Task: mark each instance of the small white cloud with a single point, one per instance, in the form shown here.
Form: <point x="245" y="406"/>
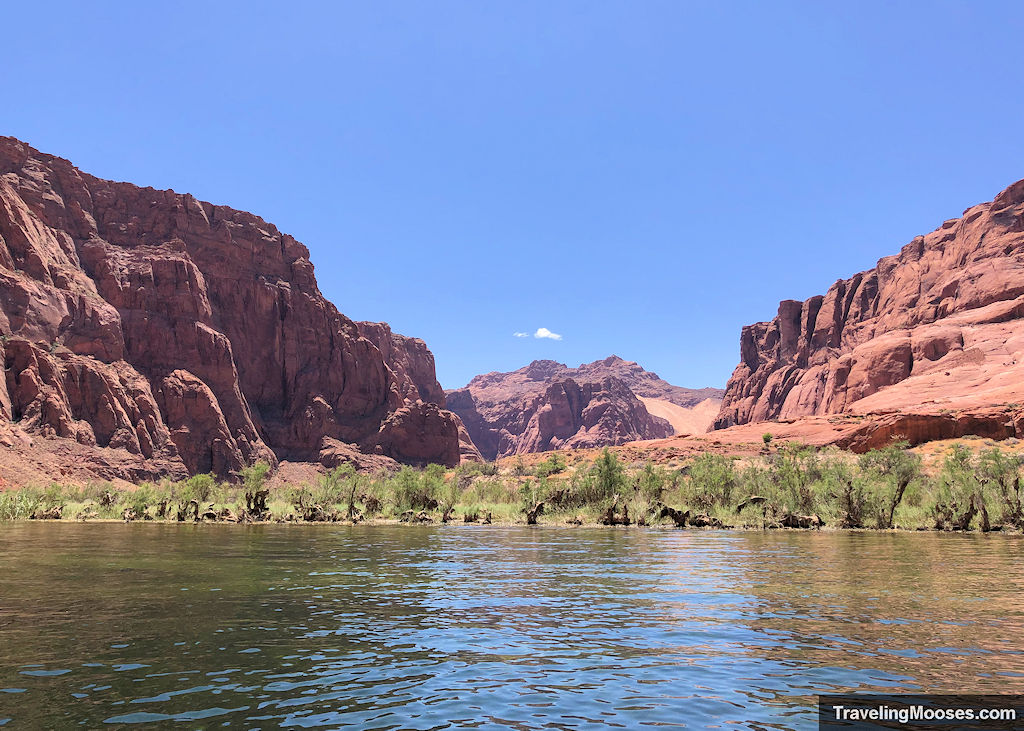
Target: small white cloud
<point x="522" y="335"/>
<point x="543" y="332"/>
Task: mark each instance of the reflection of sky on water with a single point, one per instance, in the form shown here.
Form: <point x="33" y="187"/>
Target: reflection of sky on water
<point x="442" y="627"/>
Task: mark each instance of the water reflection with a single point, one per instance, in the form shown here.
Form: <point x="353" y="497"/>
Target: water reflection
<point x="465" y="627"/>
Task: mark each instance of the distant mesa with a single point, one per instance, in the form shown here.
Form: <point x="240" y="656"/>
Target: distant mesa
<point x="547" y="405"/>
<point x="930" y="342"/>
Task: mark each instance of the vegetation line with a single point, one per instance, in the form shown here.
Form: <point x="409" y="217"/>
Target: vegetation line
<point x="791" y="486"/>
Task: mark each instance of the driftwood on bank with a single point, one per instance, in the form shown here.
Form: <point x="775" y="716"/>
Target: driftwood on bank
<point x="795" y="520"/>
<point x="371" y="503"/>
<point x="53" y="513"/>
<point x="256" y="503"/>
<point x="612" y="516"/>
<point x="703" y="520"/>
<point x="411" y="516"/>
<point x="678" y="517"/>
<point x="752" y="500"/>
<point x="185" y="509"/>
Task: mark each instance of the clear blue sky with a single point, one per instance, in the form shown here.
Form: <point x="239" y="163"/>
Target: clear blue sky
<point x="642" y="178"/>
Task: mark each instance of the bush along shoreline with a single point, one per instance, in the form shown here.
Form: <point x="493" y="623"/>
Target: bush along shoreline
<point x="787" y="487"/>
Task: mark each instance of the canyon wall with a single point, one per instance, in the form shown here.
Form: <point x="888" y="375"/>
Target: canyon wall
<point x="936" y="328"/>
<point x="189" y="336"/>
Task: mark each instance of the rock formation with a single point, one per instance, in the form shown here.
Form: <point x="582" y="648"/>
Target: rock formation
<point x="645" y="383"/>
<point x="936" y="329"/>
<point x="413" y="365"/>
<point x="182" y="333"/>
<point x="547" y="405"/>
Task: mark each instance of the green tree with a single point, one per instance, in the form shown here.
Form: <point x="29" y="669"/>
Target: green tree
<point x="609" y="475"/>
<point x="999" y="475"/>
<point x="893" y="468"/>
<point x="712" y="479"/>
<point x="960" y="495"/>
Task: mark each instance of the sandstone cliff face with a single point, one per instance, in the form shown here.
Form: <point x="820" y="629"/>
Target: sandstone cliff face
<point x="173" y="329"/>
<point x="410" y="361"/>
<point x="412" y="364"/>
<point x="938" y="327"/>
<point x="547" y="405"/>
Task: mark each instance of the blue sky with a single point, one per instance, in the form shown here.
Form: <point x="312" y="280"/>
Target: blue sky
<point x="641" y="178"/>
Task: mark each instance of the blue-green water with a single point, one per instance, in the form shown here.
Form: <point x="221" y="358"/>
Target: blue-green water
<point x="485" y="627"/>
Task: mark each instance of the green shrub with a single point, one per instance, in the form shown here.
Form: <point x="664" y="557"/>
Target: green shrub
<point x="337" y="485"/>
<point x="141" y="497"/>
<point x="711" y="481"/>
<point x="414" y="490"/>
<point x="999" y="475"/>
<point x="796" y="469"/>
<point x="851" y="495"/>
<point x="55" y="494"/>
<point x="652" y="481"/>
<point x="960" y="494"/>
<point x="889" y="472"/>
<point x="486" y="468"/>
<point x="608" y="478"/>
<point x="255" y="476"/>
<point x="198" y="488"/>
<point x="531" y="491"/>
<point x="19" y="504"/>
<point x="554" y="464"/>
<point x="519" y="468"/>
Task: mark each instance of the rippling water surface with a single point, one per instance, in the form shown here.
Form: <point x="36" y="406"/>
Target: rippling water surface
<point x="480" y="627"/>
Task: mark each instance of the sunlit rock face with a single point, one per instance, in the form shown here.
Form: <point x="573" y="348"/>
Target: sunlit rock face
<point x="189" y="337"/>
<point x="935" y="328"/>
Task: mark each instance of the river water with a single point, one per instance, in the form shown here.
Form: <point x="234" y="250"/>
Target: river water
<point x="388" y="627"/>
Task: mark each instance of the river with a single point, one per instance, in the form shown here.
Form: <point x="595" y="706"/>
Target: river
<point x="386" y="627"/>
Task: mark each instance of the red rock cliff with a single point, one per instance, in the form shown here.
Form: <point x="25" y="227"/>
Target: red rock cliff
<point x="178" y="330"/>
<point x="937" y="327"/>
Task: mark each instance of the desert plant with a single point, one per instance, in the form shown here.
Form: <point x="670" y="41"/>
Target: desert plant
<point x="19" y="504"/>
<point x="198" y="487"/>
<point x="850" y="493"/>
<point x="255" y="476"/>
<point x="141" y="497"/>
<point x="795" y="471"/>
<point x="519" y="468"/>
<point x="893" y="469"/>
<point x="336" y="485"/>
<point x="999" y="474"/>
<point x="652" y="481"/>
<point x="609" y="476"/>
<point x="554" y="464"/>
<point x="959" y="497"/>
<point x="711" y="481"/>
